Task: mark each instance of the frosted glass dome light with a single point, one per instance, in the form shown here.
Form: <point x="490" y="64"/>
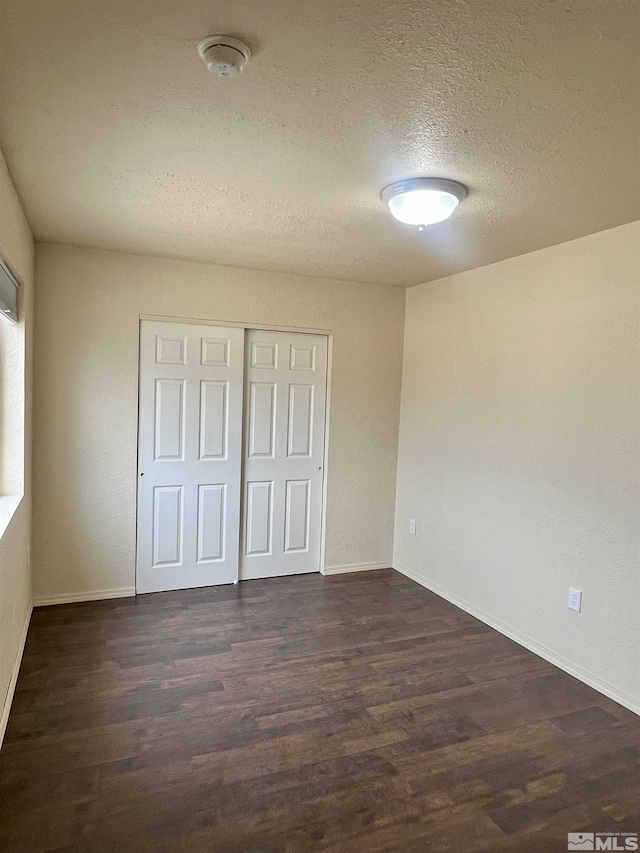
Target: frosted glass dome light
<point x="423" y="201"/>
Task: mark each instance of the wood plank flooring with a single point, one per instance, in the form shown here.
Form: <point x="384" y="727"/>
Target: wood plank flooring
<point x="303" y="714"/>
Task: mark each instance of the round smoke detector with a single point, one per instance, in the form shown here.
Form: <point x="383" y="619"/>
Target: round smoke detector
<point x="224" y="55"/>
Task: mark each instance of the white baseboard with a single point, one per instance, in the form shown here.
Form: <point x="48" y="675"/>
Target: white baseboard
<point x="356" y="567"/>
<point x="578" y="672"/>
<point x="4" y="719"/>
<point x="94" y="595"/>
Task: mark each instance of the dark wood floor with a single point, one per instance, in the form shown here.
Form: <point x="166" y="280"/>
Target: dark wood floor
<point x="354" y="713"/>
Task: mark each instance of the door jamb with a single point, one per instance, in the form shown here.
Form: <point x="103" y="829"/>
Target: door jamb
<point x="268" y="327"/>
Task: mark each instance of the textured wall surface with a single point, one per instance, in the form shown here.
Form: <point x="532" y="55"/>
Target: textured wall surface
<point x="87" y="309"/>
<point x="519" y="449"/>
<point x="16" y="246"/>
<point x="127" y="143"/>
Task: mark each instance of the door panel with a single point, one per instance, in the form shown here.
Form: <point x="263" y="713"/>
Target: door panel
<point x="169" y="420"/>
<point x="285" y="381"/>
<point x="302" y="357"/>
<point x="296" y="516"/>
<point x="264" y="355"/>
<point x="262" y="419"/>
<point x="214" y="421"/>
<point x="300" y="426"/>
<point x="189" y="455"/>
<point x="171" y="350"/>
<point x="259" y="523"/>
<point x="168" y="525"/>
<point x="215" y="352"/>
<point x="211" y="526"/>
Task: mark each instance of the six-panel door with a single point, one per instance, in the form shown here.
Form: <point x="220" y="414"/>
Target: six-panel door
<point x="193" y="434"/>
<point x="285" y="401"/>
<point x="189" y="455"/>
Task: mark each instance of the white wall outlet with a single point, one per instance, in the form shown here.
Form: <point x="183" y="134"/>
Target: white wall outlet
<point x="412" y="526"/>
<point x="575" y="599"/>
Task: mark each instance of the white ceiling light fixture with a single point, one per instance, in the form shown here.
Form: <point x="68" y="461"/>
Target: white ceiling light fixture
<point x="224" y="55"/>
<point x="423" y="201"/>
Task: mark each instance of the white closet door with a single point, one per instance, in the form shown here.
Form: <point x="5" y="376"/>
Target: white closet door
<point x="285" y="402"/>
<point x="189" y="455"/>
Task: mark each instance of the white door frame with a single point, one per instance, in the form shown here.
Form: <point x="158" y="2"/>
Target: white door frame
<point x="328" y="333"/>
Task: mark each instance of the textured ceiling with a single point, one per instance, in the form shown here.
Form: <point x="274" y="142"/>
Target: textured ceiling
<point x="117" y="137"/>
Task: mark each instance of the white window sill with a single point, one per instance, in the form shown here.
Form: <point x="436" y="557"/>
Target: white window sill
<point x="8" y="506"/>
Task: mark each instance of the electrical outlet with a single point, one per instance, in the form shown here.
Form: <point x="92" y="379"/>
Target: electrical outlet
<point x="412" y="526"/>
<point x="575" y="599"/>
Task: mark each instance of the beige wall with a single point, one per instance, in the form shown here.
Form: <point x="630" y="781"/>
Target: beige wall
<point x="519" y="450"/>
<point x="16" y="246"/>
<point x="87" y="308"/>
